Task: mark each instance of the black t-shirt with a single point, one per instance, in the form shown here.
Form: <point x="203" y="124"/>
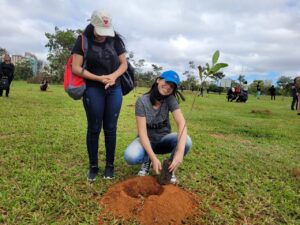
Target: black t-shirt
<point x="258" y="88"/>
<point x="7" y="70"/>
<point x="102" y="58"/>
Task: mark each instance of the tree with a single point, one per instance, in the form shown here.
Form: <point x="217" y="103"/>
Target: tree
<point x="157" y="70"/>
<point x="241" y="79"/>
<point x="210" y="71"/>
<point x="3" y="51"/>
<point x="284" y="84"/>
<point x="60" y="45"/>
<point x="140" y="79"/>
<point x="253" y="85"/>
<point x="23" y="70"/>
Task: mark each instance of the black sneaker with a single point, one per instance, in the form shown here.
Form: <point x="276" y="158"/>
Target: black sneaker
<point x="92" y="173"/>
<point x="109" y="171"/>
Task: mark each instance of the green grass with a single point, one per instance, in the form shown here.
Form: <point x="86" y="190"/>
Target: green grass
<point x="241" y="163"/>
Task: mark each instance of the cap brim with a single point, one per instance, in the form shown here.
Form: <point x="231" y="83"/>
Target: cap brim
<point x="171" y="80"/>
<point x="105" y="31"/>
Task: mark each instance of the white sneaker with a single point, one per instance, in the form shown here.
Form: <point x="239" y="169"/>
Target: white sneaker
<point x="173" y="179"/>
<point x="145" y="168"/>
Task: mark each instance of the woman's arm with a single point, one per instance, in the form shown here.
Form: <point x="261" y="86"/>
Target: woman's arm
<point x="123" y="66"/>
<point x="181" y="136"/>
<point x="142" y="131"/>
<point x="80" y="71"/>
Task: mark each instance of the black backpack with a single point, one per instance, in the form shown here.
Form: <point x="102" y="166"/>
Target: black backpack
<point x="127" y="79"/>
<point x="4" y="82"/>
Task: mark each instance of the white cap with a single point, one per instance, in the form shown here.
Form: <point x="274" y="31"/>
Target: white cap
<point x="102" y="23"/>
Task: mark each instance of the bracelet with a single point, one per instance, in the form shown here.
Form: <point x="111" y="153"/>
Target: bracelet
<point x="81" y="72"/>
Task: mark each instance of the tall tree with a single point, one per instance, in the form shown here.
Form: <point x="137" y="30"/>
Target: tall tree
<point x="284" y="84"/>
<point x="3" y="51"/>
<point x="138" y="65"/>
<point x="157" y="69"/>
<point x="241" y="79"/>
<point x="60" y="45"/>
<point x="23" y="70"/>
<point x="284" y="81"/>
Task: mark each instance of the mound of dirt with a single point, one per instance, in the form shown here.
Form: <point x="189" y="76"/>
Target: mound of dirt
<point x="143" y="200"/>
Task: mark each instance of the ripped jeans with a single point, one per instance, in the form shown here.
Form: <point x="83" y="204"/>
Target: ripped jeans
<point x="102" y="108"/>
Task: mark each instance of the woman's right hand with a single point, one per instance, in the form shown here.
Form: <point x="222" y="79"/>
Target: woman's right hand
<point x="156" y="164"/>
<point x="102" y="79"/>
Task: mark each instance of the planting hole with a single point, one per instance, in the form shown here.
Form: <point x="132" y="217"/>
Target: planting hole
<point x="136" y="189"/>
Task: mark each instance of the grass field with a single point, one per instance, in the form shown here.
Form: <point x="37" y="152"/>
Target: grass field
<point x="244" y="163"/>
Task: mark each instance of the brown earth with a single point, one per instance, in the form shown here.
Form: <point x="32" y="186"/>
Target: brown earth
<point x="145" y="201"/>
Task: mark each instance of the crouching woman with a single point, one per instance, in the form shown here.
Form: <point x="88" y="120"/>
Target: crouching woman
<point x="154" y="130"/>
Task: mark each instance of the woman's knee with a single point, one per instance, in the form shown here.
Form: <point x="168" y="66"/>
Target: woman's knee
<point x="188" y="145"/>
<point x="134" y="153"/>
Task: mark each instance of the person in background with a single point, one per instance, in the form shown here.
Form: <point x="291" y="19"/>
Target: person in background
<point x="258" y="90"/>
<point x="237" y="90"/>
<point x="294" y="98"/>
<point x="272" y="92"/>
<point x="297" y="86"/>
<point x="44" y="85"/>
<point x="102" y="100"/>
<point x="154" y="130"/>
<point x="7" y="70"/>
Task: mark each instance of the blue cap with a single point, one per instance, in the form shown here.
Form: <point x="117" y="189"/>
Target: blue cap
<point x="171" y="76"/>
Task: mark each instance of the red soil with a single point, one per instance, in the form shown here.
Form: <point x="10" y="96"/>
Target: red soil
<point x="143" y="200"/>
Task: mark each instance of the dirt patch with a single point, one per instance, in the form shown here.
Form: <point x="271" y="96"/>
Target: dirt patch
<point x="296" y="173"/>
<point x="131" y="105"/>
<point x="230" y="138"/>
<point x="143" y="200"/>
<point x="263" y="112"/>
<point x="217" y="136"/>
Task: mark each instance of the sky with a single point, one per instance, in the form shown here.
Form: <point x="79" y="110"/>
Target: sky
<point x="259" y="38"/>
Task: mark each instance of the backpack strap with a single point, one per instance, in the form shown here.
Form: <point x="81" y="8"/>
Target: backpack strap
<point x="84" y="47"/>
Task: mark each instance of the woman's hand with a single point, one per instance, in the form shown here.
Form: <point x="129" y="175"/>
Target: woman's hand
<point x="109" y="80"/>
<point x="102" y="79"/>
<point x="156" y="165"/>
<point x="177" y="160"/>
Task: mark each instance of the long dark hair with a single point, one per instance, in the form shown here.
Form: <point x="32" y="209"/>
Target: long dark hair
<point x="156" y="96"/>
<point x="89" y="33"/>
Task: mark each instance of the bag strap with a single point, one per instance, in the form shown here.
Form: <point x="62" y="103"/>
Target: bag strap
<point x="84" y="47"/>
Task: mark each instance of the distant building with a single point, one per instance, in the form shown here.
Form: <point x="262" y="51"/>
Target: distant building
<point x="16" y="59"/>
<point x="32" y="59"/>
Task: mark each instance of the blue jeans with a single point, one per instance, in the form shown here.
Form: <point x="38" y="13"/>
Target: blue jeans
<point x="102" y="107"/>
<point x="136" y="154"/>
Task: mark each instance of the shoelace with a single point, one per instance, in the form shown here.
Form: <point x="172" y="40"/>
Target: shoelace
<point x="146" y="166"/>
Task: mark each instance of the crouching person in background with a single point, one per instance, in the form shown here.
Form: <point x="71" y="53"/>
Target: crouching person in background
<point x="44" y="85"/>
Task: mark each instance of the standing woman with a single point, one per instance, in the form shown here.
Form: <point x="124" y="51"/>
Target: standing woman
<point x="105" y="63"/>
<point x="7" y="70"/>
<point x="154" y="130"/>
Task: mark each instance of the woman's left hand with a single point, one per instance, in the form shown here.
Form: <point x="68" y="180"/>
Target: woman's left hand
<point x="110" y="80"/>
<point x="177" y="160"/>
